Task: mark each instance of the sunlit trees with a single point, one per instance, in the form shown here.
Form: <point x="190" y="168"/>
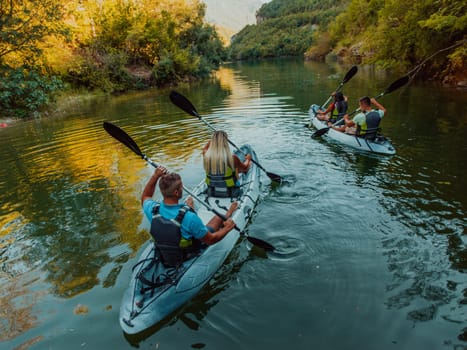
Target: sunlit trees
<point x="166" y="40"/>
<point x="403" y="34"/>
<point x="109" y="45"/>
<point x="24" y="24"/>
<point x="285" y="28"/>
<point x="25" y="84"/>
<point x="398" y="34"/>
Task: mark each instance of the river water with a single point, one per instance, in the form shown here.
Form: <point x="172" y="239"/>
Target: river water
<point x="371" y="250"/>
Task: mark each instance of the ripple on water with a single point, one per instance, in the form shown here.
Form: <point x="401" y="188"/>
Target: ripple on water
<point x="286" y="248"/>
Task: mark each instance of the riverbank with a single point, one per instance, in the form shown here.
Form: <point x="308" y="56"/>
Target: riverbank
<point x="73" y="100"/>
<point x="65" y="103"/>
<point x="452" y="76"/>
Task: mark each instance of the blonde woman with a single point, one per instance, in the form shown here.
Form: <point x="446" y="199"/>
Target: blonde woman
<point x="222" y="167"/>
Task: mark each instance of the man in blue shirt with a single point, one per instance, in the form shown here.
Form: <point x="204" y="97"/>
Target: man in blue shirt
<point x="171" y="187"/>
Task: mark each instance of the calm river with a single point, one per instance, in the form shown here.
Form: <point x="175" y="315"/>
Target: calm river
<point x="371" y="250"/>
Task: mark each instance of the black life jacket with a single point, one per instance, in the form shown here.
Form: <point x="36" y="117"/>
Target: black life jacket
<point x="371" y="125"/>
<point x="172" y="247"/>
<point x="222" y="185"/>
<point x="340" y="108"/>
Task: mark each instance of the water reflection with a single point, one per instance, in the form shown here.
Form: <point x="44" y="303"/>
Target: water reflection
<point x="17" y="298"/>
<point x="424" y="242"/>
<point x="424" y="283"/>
<point x="377" y="239"/>
<point x="426" y="268"/>
<point x="58" y="183"/>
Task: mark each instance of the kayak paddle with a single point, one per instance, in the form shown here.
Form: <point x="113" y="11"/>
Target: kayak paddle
<point x="126" y="139"/>
<point x="394" y="86"/>
<point x="349" y="75"/>
<point x="183" y="103"/>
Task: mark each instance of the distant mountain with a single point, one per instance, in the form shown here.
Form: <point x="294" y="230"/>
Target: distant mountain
<point x="231" y="16"/>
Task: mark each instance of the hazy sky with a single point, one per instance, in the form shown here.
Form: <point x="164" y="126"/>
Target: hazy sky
<point x="233" y="14"/>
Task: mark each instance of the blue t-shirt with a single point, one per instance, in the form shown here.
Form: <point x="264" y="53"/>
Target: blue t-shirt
<point x="192" y="226"/>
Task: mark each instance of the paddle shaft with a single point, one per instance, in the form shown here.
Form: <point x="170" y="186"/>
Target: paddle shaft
<point x="182" y="102"/>
<point x="394" y="86"/>
<point x="352" y="71"/>
<point x="124" y="138"/>
<point x="256" y="241"/>
<point x="231" y="143"/>
<point x="357" y="110"/>
<point x="206" y="205"/>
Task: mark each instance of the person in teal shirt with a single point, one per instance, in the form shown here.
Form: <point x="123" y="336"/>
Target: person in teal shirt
<point x="192" y="227"/>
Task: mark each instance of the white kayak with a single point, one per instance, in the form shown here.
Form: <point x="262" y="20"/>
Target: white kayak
<point x="155" y="291"/>
<point x="380" y="144"/>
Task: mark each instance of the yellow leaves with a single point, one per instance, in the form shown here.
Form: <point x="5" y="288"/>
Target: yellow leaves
<point x="458" y="58"/>
<point x="440" y="22"/>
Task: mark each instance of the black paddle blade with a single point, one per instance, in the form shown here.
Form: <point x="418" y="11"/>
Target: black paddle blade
<point x="352" y="71"/>
<point x="260" y="243"/>
<point x="123" y="137"/>
<point x="274" y="177"/>
<point x="183" y="103"/>
<point x="320" y="132"/>
<point x="397" y="84"/>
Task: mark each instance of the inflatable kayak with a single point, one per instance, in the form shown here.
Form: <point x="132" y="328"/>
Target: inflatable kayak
<point x="380" y="144"/>
<point x="155" y="291"/>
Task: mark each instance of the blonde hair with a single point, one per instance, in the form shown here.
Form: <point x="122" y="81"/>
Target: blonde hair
<point x="218" y="156"/>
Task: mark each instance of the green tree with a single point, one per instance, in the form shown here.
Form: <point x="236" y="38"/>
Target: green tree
<point x="24" y="91"/>
<point x="24" y="26"/>
<point x="401" y="34"/>
<point x="110" y="45"/>
<point x="166" y="37"/>
<point x="285" y="28"/>
<point x="281" y="8"/>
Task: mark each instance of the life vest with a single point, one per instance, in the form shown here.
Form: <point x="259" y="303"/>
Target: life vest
<point x="172" y="247"/>
<point x="222" y="185"/>
<point x="338" y="112"/>
<point x="371" y="124"/>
